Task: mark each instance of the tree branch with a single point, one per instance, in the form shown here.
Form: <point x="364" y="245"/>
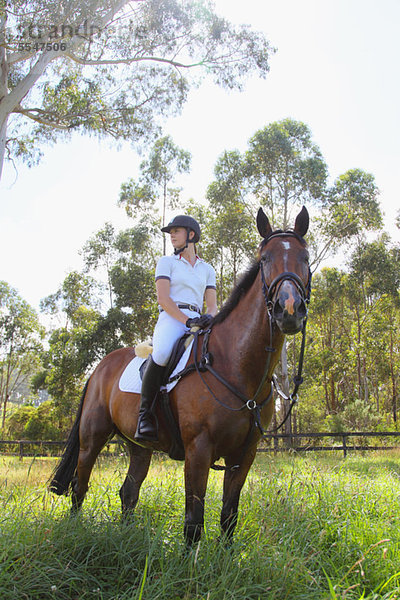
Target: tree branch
<point x="128" y="61"/>
<point x="28" y="113"/>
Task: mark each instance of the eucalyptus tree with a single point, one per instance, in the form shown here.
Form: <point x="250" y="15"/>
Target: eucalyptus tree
<point x="99" y="252"/>
<point x="132" y="278"/>
<point x="374" y="286"/>
<point x="285" y="169"/>
<point x="354" y="348"/>
<point x="111" y="68"/>
<point x="157" y="174"/>
<point x="351" y="209"/>
<point x="21" y="339"/>
<point x="230" y="229"/>
<point x="76" y="307"/>
<point x="329" y="339"/>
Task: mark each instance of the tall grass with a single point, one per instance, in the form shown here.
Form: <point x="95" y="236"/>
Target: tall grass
<point x="309" y="527"/>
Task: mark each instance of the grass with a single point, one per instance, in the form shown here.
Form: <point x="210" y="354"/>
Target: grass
<point x="314" y="527"/>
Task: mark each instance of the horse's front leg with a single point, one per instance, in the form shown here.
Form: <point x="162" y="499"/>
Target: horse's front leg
<point x="233" y="484"/>
<point x="197" y="467"/>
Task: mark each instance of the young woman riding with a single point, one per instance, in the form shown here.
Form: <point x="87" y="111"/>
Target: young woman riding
<point x="183" y="283"/>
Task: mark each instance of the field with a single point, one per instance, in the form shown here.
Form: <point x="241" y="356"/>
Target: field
<point x="315" y="527"/>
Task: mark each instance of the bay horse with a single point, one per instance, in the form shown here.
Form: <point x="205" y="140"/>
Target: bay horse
<point x="217" y="410"/>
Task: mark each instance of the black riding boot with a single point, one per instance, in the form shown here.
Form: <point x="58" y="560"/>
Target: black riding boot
<point x="147" y="424"/>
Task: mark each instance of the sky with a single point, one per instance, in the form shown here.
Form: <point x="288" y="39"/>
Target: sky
<point x="336" y="68"/>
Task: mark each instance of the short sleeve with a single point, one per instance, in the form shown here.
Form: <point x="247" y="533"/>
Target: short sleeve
<point x="163" y="268"/>
<point x="211" y="279"/>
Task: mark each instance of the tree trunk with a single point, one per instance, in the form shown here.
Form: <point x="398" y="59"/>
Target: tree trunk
<point x="3" y="133"/>
<point x="326" y="392"/>
<point x="366" y="388"/>
<point x="163" y="217"/>
<point x="3" y="425"/>
<point x="3" y="90"/>
<point x="393" y="378"/>
<point x="333" y="394"/>
<point x="359" y="379"/>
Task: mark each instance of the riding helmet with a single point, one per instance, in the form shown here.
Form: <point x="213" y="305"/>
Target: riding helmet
<point x="184" y="221"/>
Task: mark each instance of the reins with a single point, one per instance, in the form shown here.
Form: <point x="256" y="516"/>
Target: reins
<point x="205" y="364"/>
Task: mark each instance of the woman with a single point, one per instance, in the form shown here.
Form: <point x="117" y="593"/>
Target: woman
<point x="183" y="283"/>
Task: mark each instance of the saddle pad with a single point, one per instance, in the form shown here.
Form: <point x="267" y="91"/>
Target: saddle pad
<point x="130" y="379"/>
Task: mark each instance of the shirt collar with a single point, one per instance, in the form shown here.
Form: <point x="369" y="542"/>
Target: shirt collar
<point x="180" y="257"/>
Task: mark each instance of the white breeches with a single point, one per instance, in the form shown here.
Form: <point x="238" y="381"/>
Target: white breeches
<point x="166" y="332"/>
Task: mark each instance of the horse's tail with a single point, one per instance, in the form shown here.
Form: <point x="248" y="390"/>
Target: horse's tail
<point x="65" y="470"/>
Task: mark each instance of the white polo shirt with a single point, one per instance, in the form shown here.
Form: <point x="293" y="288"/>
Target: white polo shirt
<point x="187" y="284"/>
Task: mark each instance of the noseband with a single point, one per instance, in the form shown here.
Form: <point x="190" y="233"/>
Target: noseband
<point x="272" y="289"/>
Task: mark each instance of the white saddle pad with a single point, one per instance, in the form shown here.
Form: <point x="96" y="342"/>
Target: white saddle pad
<point x="130" y="379"/>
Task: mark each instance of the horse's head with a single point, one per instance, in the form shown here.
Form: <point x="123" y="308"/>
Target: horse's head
<point x="285" y="272"/>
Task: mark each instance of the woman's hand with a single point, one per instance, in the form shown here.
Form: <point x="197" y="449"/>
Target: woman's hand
<point x="202" y="322"/>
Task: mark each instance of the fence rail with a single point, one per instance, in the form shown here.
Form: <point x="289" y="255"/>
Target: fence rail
<point x="271" y="443"/>
<point x="345" y="447"/>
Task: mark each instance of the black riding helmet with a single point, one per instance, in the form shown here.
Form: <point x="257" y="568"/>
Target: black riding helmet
<point x="184" y="221"/>
<point x="189" y="224"/>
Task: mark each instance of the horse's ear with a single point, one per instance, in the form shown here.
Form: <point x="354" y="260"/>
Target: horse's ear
<point x="263" y="226"/>
<point x="302" y="222"/>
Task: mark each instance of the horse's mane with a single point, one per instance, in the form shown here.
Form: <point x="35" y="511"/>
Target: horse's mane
<point x="247" y="279"/>
<point x="243" y="285"/>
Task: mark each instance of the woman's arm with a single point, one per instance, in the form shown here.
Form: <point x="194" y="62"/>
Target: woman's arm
<point x="166" y="302"/>
<point x="210" y="297"/>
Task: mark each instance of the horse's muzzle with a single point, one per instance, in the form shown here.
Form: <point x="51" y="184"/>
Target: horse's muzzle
<point x="289" y="313"/>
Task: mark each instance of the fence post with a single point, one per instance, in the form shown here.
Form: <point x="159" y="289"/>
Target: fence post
<point x="275" y="444"/>
<point x="344" y="446"/>
<point x="21" y="450"/>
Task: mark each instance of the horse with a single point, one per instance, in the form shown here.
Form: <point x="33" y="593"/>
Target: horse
<point x="221" y="410"/>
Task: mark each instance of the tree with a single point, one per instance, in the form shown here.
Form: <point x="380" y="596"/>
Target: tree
<point x="20" y="343"/>
<point x="329" y="342"/>
<point x="374" y="291"/>
<point x="351" y="209"/>
<point x="111" y="68"/>
<point x="35" y="423"/>
<point x="165" y="161"/>
<point x="229" y="228"/>
<point x="354" y="344"/>
<point x="68" y="356"/>
<point x="76" y="290"/>
<point x="132" y="278"/>
<point x="86" y="334"/>
<point x="285" y="169"/>
<point x="100" y="252"/>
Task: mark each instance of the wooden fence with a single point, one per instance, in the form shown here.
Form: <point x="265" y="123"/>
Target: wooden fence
<point x="273" y="442"/>
<point x="342" y="444"/>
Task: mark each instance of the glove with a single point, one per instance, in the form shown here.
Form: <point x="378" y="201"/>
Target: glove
<point x="202" y="322"/>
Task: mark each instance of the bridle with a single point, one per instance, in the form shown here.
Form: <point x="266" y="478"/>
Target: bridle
<point x="270" y="292"/>
<point x="272" y="289"/>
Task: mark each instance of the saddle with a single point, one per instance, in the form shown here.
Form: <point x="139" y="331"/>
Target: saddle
<point x="144" y="350"/>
